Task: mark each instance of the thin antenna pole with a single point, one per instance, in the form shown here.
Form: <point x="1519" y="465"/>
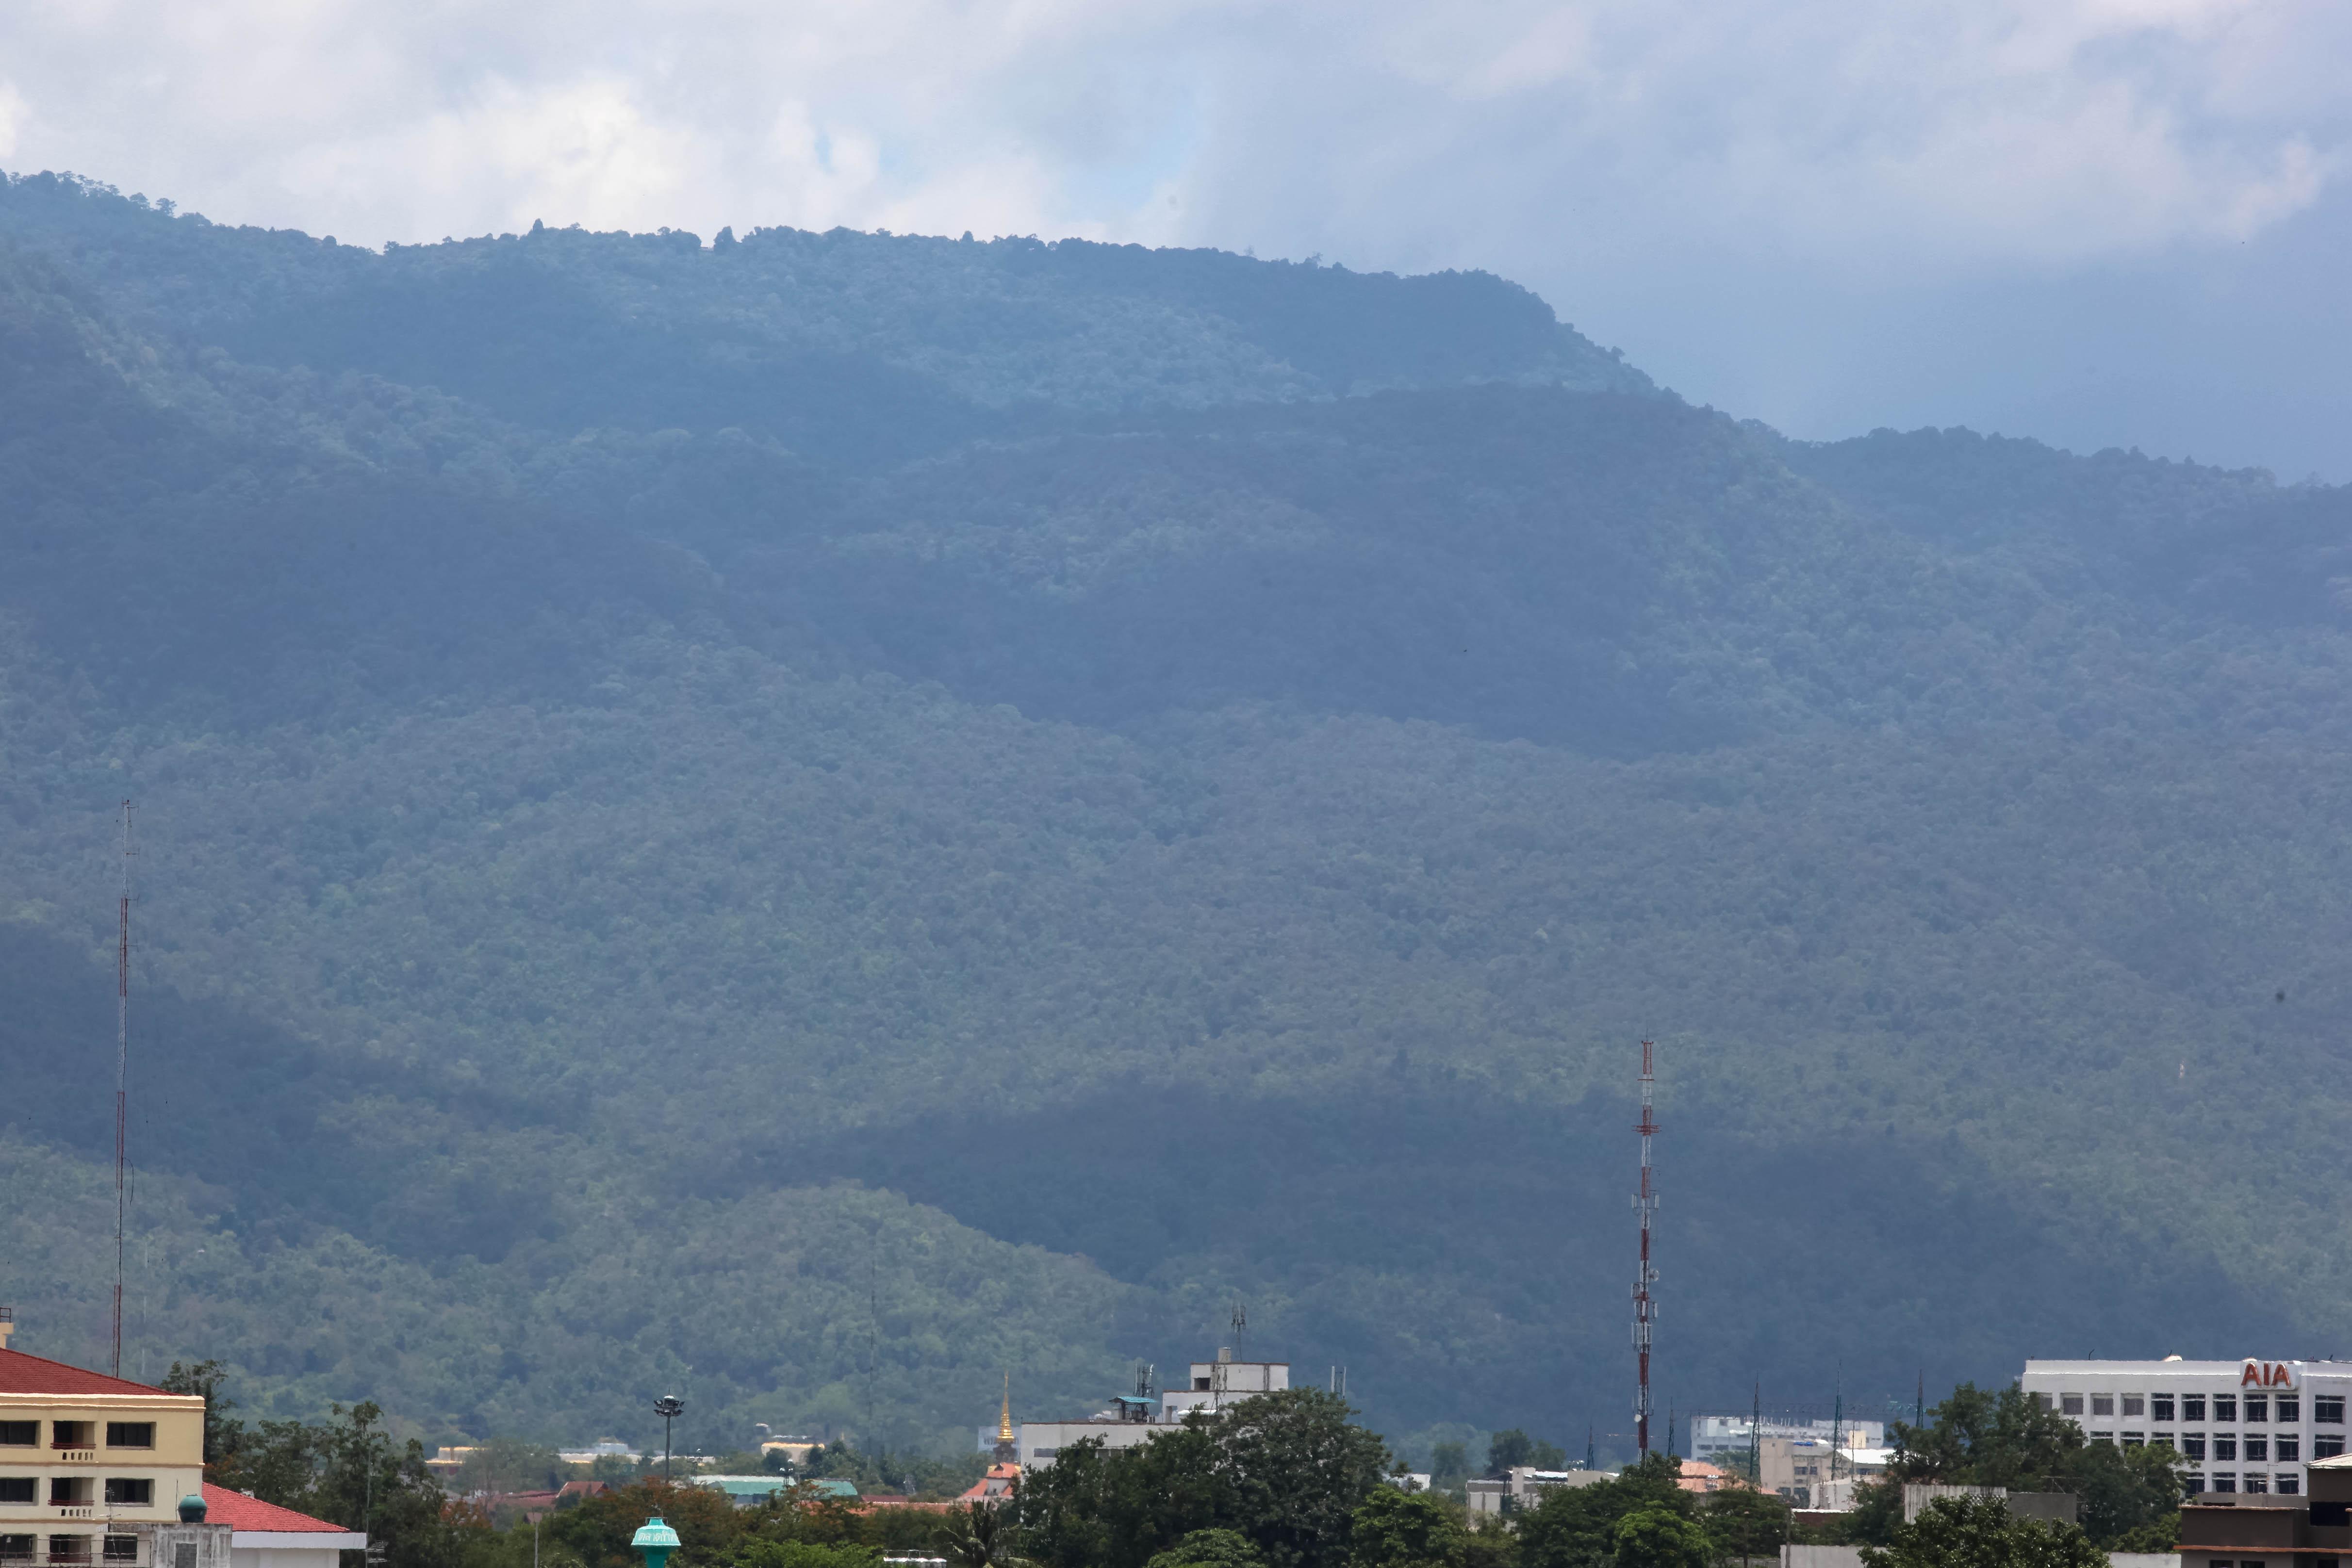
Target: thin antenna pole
<point x="1645" y="1203"/>
<point x="121" y="1078"/>
<point x="1755" y="1438"/>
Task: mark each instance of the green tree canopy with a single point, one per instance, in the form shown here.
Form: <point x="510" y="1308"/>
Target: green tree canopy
<point x="1507" y="1450"/>
<point x="1655" y="1537"/>
<point x="1576" y="1527"/>
<point x="1287" y="1472"/>
<point x="1980" y="1533"/>
<point x="1209" y="1549"/>
<point x="1401" y="1529"/>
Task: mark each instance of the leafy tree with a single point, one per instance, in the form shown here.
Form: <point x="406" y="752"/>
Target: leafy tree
<point x="1287" y="1472"/>
<point x="223" y="1437"/>
<point x="2004" y="1439"/>
<point x="1576" y="1527"/>
<point x="1209" y="1549"/>
<point x="1746" y="1523"/>
<point x="1449" y="1466"/>
<point x="1980" y="1533"/>
<point x="980" y="1536"/>
<point x="1400" y="1529"/>
<point x="1654" y="1537"/>
<point x="1507" y="1450"/>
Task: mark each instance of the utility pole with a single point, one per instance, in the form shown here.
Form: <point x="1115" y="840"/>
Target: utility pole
<point x="669" y="1407"/>
<point x="1645" y="1203"/>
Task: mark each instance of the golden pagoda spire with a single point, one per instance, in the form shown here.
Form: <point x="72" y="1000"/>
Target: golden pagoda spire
<point x="1008" y="1445"/>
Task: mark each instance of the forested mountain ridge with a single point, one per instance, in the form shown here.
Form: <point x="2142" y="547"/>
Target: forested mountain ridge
<point x="651" y="879"/>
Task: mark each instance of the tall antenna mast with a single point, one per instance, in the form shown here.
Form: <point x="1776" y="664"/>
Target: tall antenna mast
<point x="1645" y="1310"/>
<point x="122" y="1076"/>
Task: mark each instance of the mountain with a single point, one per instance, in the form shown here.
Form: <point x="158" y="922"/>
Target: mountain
<point x="807" y="819"/>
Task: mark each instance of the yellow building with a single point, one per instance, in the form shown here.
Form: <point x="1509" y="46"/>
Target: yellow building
<point x="90" y="1463"/>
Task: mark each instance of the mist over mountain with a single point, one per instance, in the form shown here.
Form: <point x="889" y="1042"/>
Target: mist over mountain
<point x="810" y="819"/>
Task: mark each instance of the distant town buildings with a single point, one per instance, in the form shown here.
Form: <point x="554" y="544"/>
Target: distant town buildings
<point x="2245" y="1426"/>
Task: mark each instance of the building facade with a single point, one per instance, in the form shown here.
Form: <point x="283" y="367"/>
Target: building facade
<point x="2245" y="1426"/>
<point x="89" y="1464"/>
<point x="2313" y="1529"/>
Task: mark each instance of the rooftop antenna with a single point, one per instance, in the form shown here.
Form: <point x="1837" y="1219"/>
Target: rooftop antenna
<point x="1756" y="1437"/>
<point x="1670" y="1429"/>
<point x="1241" y="1321"/>
<point x="1919" y="1410"/>
<point x="122" y="1076"/>
<point x="1646" y="1312"/>
<point x="1591" y="1454"/>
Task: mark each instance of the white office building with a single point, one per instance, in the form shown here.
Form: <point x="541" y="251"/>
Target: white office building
<point x="2243" y="1426"/>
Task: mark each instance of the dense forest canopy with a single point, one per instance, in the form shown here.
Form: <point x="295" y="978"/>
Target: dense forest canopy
<point x="809" y="818"/>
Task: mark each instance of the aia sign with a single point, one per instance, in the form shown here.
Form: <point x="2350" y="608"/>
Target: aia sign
<point x="2266" y="1375"/>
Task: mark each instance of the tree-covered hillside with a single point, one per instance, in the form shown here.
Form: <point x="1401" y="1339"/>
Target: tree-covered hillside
<point x="810" y="819"/>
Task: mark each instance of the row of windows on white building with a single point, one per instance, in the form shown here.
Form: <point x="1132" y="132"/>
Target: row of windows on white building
<point x="2163" y="1415"/>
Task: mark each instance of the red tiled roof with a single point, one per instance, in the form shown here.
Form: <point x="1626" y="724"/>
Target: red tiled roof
<point x="238" y="1512"/>
<point x="22" y="1374"/>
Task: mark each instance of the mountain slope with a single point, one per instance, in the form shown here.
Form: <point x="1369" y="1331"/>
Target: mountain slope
<point x="1143" y="849"/>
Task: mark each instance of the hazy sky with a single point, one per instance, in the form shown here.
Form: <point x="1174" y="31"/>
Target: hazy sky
<point x="2100" y="222"/>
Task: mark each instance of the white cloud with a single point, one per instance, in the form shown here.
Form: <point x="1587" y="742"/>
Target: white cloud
<point x="1602" y="150"/>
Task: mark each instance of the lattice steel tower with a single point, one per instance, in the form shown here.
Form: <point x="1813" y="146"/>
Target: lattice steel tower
<point x="1645" y="1310"/>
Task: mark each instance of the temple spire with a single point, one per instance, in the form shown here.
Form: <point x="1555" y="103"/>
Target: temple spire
<point x="1008" y="1449"/>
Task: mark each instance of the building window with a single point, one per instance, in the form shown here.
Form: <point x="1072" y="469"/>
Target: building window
<point x="19" y="1435"/>
<point x="17" y="1488"/>
<point x="2290" y="1407"/>
<point x="2257" y="1483"/>
<point x="2225" y="1406"/>
<point x="2225" y="1483"/>
<point x="2258" y="1408"/>
<point x="2134" y="1440"/>
<point x="2327" y="1408"/>
<point x="130" y="1493"/>
<point x="2070" y="1405"/>
<point x="69" y="1434"/>
<point x="2327" y="1446"/>
<point x="68" y="1548"/>
<point x="69" y="1491"/>
<point x="2257" y="1446"/>
<point x="2192" y="1445"/>
<point x="2103" y="1436"/>
<point x="2134" y="1405"/>
<point x="2289" y="1485"/>
<point x="2289" y="1445"/>
<point x="122" y="1549"/>
<point x="2192" y="1407"/>
<point x="2102" y="1404"/>
<point x="2159" y="1406"/>
<point x="2042" y="1401"/>
<point x="131" y="1434"/>
<point x="2192" y="1485"/>
<point x="17" y="1547"/>
<point x="2225" y="1446"/>
<point x="1044" y="1453"/>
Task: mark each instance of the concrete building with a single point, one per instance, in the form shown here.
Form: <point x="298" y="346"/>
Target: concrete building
<point x="1133" y="1418"/>
<point x="1523" y="1486"/>
<point x="89" y="1463"/>
<point x="2311" y="1530"/>
<point x="2250" y="1427"/>
<point x="1718" y="1438"/>
<point x="101" y="1472"/>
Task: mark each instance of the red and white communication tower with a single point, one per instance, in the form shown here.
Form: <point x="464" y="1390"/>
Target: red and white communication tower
<point x="1645" y="1310"/>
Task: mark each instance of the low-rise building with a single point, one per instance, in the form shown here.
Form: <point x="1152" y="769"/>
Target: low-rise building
<point x="1523" y="1486"/>
<point x="89" y="1464"/>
